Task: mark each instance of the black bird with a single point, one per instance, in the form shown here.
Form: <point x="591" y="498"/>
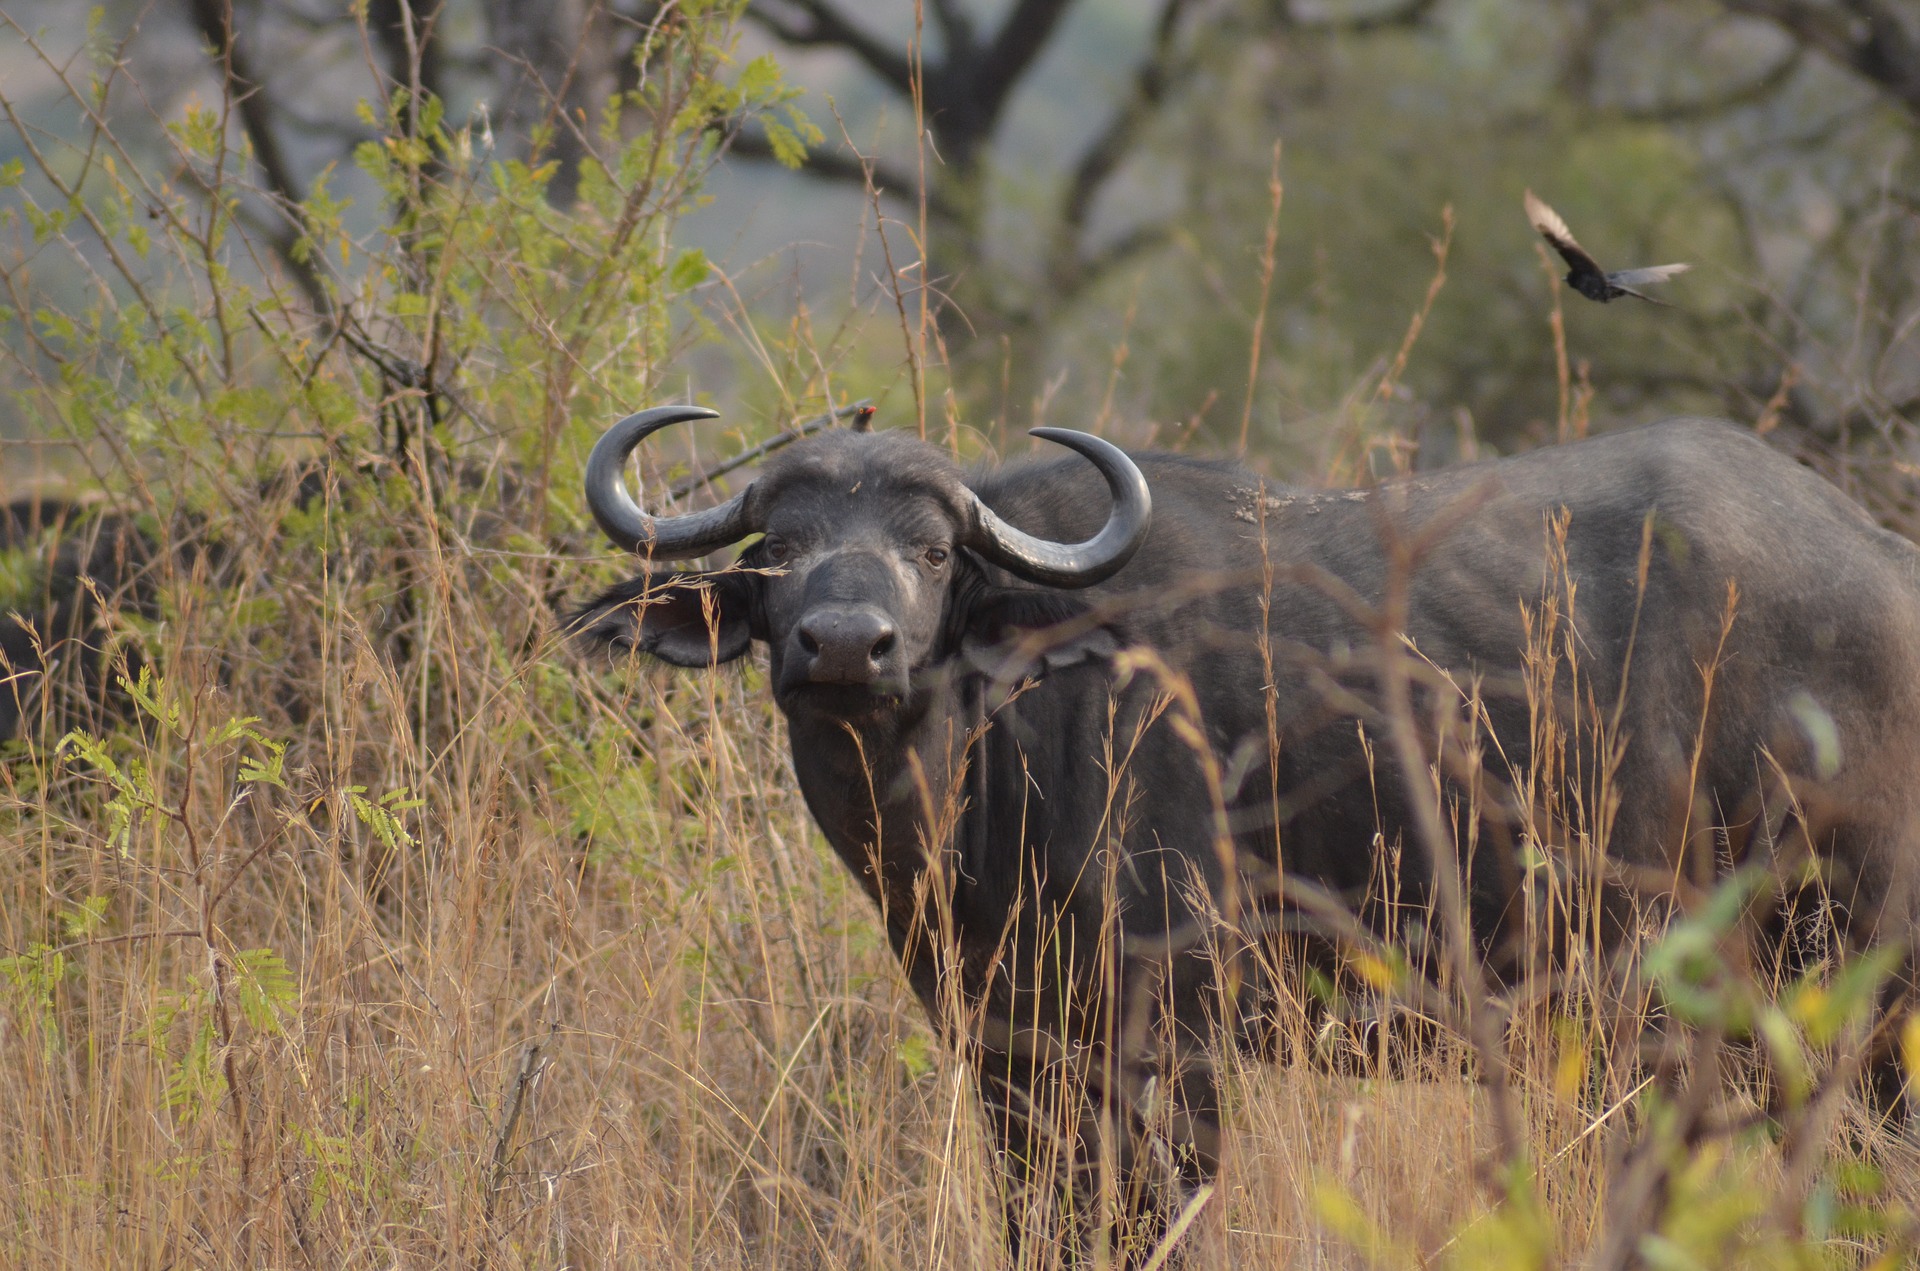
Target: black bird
<point x="1586" y="276"/>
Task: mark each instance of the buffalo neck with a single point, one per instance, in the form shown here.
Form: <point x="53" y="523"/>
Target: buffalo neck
<point x="879" y="788"/>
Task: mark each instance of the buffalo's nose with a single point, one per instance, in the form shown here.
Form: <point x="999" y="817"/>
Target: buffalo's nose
<point x="847" y="646"/>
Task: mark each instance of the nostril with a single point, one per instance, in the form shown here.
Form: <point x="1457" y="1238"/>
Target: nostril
<point x="854" y="645"/>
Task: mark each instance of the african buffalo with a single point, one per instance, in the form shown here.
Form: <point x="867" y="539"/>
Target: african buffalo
<point x="985" y="682"/>
<point x="71" y="571"/>
<point x="78" y="565"/>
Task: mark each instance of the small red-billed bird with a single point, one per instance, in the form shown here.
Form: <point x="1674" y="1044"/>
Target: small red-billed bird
<point x="1586" y="276"/>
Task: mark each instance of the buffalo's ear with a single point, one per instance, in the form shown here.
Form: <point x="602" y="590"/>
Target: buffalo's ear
<point x="1013" y="631"/>
<point x="686" y="619"/>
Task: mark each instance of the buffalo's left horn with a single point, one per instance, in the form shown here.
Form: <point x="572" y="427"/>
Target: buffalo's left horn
<point x="665" y="537"/>
<point x="1073" y="564"/>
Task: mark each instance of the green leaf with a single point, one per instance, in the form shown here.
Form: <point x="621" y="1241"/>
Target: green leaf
<point x="82" y="920"/>
<point x="788" y="149"/>
<point x="760" y="78"/>
<point x="33" y="976"/>
<point x="689" y="270"/>
<point x="265" y="987"/>
<point x="195" y="1082"/>
<point x="1789" y="1057"/>
<point x="237" y="727"/>
<point x="149" y="693"/>
<point x="385" y="825"/>
<point x="269" y="771"/>
<point x="1342" y="1214"/>
<point x="915" y="1051"/>
<point x="1663" y="1254"/>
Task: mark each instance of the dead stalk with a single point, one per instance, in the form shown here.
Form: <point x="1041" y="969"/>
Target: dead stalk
<point x="1275" y="192"/>
<point x="514" y="1102"/>
<point x="1556" y="320"/>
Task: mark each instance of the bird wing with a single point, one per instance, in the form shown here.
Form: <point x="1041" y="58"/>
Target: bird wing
<point x="1555" y="231"/>
<point x="1618" y="290"/>
<point x="1641" y="277"/>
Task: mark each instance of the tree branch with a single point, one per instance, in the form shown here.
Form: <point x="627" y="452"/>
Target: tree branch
<point x="1407" y="14"/>
<point x="1707" y="106"/>
<point x="1135" y="242"/>
<point x="823" y="24"/>
<point x="1151" y="82"/>
<point x="406" y="34"/>
<point x="1867" y="37"/>
<point x="956" y="30"/>
<point x="214" y="18"/>
<point x="1019" y="41"/>
<point x="836" y="165"/>
<point x="687" y="485"/>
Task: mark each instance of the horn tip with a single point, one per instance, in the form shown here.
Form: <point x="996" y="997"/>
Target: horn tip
<point x="1073" y="439"/>
<point x="686" y="410"/>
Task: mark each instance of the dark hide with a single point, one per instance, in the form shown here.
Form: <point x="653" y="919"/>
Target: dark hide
<point x="60" y="659"/>
<point x="80" y="566"/>
<point x="1085" y="824"/>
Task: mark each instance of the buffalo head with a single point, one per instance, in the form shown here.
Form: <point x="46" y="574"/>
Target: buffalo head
<point x="872" y="565"/>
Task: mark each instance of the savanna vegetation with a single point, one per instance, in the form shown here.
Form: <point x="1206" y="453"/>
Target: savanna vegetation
<point x="348" y="917"/>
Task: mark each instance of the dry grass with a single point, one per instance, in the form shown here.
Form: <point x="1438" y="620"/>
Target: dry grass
<point x="461" y="952"/>
<point x="510" y="960"/>
<point x="602" y="998"/>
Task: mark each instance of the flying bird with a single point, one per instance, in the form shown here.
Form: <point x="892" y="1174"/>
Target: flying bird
<point x="1586" y="276"/>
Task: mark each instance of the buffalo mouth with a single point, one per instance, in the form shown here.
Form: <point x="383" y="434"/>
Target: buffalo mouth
<point x="852" y="703"/>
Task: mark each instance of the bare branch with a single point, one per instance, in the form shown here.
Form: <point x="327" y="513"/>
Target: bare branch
<point x="551" y="60"/>
<point x="1151" y="81"/>
<point x="1410" y="13"/>
<point x="529" y="1070"/>
<point x="1868" y="37"/>
<point x="817" y="22"/>
<point x="1019" y="41"/>
<point x="956" y="29"/>
<point x="835" y="165"/>
<point x="1130" y="246"/>
<point x="1757" y="89"/>
<point x="214" y="18"/>
<point x="406" y="33"/>
<point x="687" y="485"/>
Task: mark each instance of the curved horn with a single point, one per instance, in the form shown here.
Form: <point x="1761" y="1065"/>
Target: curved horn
<point x="667" y="537"/>
<point x="1073" y="564"/>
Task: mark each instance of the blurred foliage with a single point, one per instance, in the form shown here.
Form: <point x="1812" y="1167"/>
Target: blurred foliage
<point x="1113" y="164"/>
<point x="1587" y="108"/>
<point x="154" y="310"/>
<point x="1684" y="130"/>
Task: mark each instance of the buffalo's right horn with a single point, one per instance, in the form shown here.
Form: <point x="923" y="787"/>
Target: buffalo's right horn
<point x="666" y="537"/>
<point x="1073" y="564"/>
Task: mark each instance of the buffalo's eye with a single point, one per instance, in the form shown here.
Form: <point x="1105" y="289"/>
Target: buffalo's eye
<point x="937" y="556"/>
<point x="775" y="548"/>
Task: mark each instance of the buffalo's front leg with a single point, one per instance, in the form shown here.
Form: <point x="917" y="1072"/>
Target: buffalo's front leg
<point x="1098" y="1155"/>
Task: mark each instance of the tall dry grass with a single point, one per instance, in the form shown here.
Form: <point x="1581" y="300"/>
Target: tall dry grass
<point x="367" y="925"/>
